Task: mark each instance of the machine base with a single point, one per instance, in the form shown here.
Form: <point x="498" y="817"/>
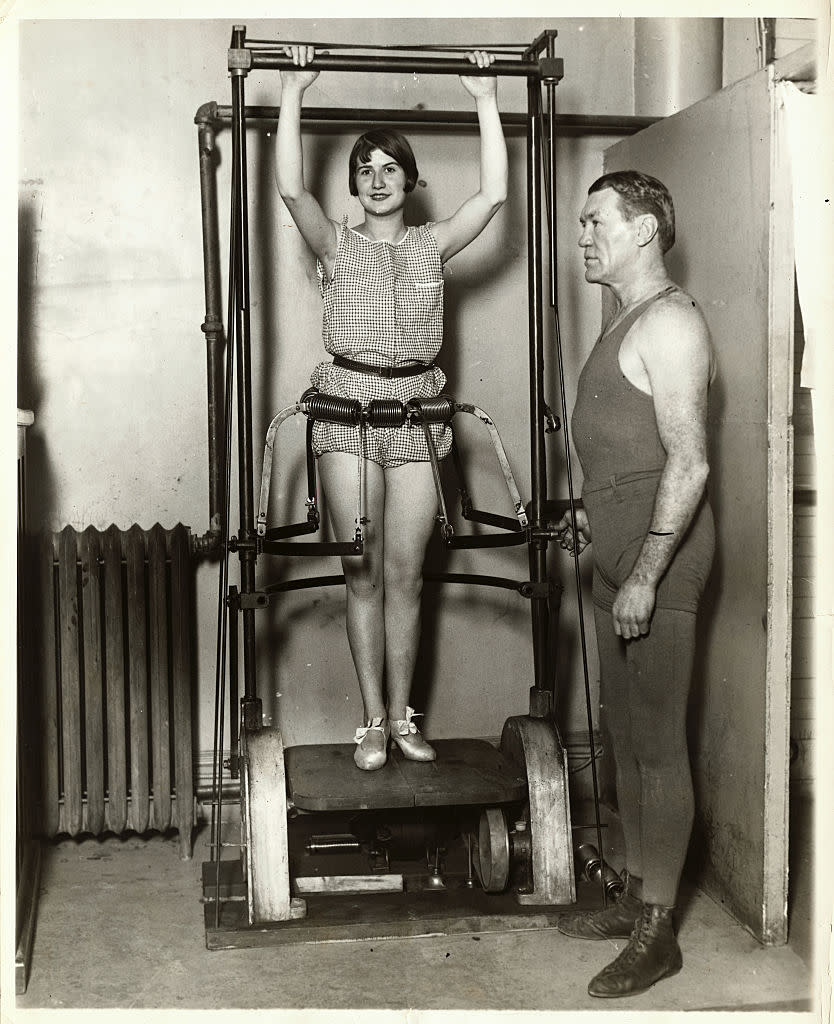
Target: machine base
<point x="419" y="910"/>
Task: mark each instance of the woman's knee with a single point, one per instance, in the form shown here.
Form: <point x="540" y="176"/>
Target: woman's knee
<point x="363" y="577"/>
<point x="403" y="576"/>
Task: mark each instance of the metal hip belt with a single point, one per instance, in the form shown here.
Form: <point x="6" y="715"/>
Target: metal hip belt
<point x="382" y="371"/>
<point x="385" y="413"/>
<point x="380" y="412"/>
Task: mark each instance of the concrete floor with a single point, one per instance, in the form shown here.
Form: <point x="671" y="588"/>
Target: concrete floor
<point x="120" y="925"/>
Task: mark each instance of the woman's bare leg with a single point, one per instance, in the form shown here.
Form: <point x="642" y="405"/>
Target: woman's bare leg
<point x="410" y="509"/>
<point x="363" y="573"/>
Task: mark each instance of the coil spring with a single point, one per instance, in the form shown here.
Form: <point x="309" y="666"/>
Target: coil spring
<point x="432" y="410"/>
<point x="332" y="407"/>
<point x="385" y="412"/>
<point x="380" y="412"/>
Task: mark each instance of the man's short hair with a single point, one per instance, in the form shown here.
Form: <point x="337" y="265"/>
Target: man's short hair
<point x="641" y="193"/>
<point x="393" y="144"/>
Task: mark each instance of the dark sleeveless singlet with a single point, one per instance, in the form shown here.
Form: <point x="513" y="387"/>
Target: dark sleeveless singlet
<point x="613" y="423"/>
<point x="622" y="456"/>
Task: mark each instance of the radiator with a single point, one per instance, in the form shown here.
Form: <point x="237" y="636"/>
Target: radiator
<point x="111" y="684"/>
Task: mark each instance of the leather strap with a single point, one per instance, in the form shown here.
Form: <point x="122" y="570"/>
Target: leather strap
<point x="381" y="371"/>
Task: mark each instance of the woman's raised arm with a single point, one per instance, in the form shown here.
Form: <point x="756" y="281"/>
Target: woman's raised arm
<point x="473" y="216"/>
<point x="318" y="231"/>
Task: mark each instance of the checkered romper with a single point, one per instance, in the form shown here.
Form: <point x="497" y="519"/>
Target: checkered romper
<point x="383" y="306"/>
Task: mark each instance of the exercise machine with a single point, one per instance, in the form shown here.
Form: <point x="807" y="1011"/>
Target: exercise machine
<point x="483" y="838"/>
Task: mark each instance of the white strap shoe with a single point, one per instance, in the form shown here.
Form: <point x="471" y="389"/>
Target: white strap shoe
<point x="407" y="736"/>
<point x="371" y="745"/>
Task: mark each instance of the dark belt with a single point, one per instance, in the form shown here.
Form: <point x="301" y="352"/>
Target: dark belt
<point x="381" y="371"/>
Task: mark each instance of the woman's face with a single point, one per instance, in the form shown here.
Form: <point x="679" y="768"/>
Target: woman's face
<point x="380" y="184"/>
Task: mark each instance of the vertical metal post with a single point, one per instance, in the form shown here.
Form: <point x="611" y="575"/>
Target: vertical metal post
<point x="551" y="177"/>
<point x="247" y="535"/>
<point x="540" y="702"/>
<point x="550" y="213"/>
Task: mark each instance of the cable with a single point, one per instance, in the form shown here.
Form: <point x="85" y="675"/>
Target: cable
<point x="223" y="582"/>
<point x="551" y="221"/>
<point x="578" y="583"/>
<point x="587" y="762"/>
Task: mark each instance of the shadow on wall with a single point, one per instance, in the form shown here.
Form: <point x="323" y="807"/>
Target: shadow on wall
<point x="41" y="497"/>
<point x="495" y="253"/>
<point x="265" y="255"/>
<point x="679" y="271"/>
<point x="678" y="265"/>
<point x="705" y="630"/>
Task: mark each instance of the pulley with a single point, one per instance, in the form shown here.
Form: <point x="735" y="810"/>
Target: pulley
<point x="499" y="852"/>
<point x="491" y="853"/>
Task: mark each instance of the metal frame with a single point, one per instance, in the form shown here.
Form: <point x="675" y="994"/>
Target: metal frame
<point x="211" y="118"/>
<point x="539" y="66"/>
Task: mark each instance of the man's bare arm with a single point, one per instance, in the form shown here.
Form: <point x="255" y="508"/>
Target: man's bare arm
<point x="675" y="349"/>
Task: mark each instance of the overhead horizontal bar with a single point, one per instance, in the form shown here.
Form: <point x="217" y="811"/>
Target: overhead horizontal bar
<point x="361" y="115"/>
<point x="395" y="47"/>
<point x="546" y="69"/>
<point x="589" y="124"/>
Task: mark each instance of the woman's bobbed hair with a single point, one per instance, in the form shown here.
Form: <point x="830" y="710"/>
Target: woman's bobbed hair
<point x="393" y="144"/>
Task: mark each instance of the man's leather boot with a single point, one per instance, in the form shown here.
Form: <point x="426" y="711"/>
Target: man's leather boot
<point x="652" y="953"/>
<point x="616" y="921"/>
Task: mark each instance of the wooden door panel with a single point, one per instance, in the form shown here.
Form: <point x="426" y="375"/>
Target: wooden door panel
<point x="716" y="157"/>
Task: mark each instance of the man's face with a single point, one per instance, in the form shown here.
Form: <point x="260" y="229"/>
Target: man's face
<point x="608" y="239"/>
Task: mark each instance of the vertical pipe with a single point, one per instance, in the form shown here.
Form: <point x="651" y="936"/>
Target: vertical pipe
<point x="538" y="469"/>
<point x="247" y="537"/>
<point x="677" y="61"/>
<point x="212" y="326"/>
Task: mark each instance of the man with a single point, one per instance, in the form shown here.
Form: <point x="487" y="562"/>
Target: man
<point x="639" y="428"/>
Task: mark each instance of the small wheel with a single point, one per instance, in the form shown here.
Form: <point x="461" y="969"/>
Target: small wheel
<point x="492" y="851"/>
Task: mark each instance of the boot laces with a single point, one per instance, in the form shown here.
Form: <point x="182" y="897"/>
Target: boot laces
<point x="646" y="928"/>
<point x="631" y="953"/>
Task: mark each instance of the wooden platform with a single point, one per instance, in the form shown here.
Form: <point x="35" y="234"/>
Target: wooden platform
<point x="418" y="910"/>
<point x="323" y="777"/>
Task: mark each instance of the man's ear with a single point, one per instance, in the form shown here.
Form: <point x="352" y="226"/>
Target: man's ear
<point x="646" y="228"/>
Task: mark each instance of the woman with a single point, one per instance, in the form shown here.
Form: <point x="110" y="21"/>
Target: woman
<point x="382" y="290"/>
